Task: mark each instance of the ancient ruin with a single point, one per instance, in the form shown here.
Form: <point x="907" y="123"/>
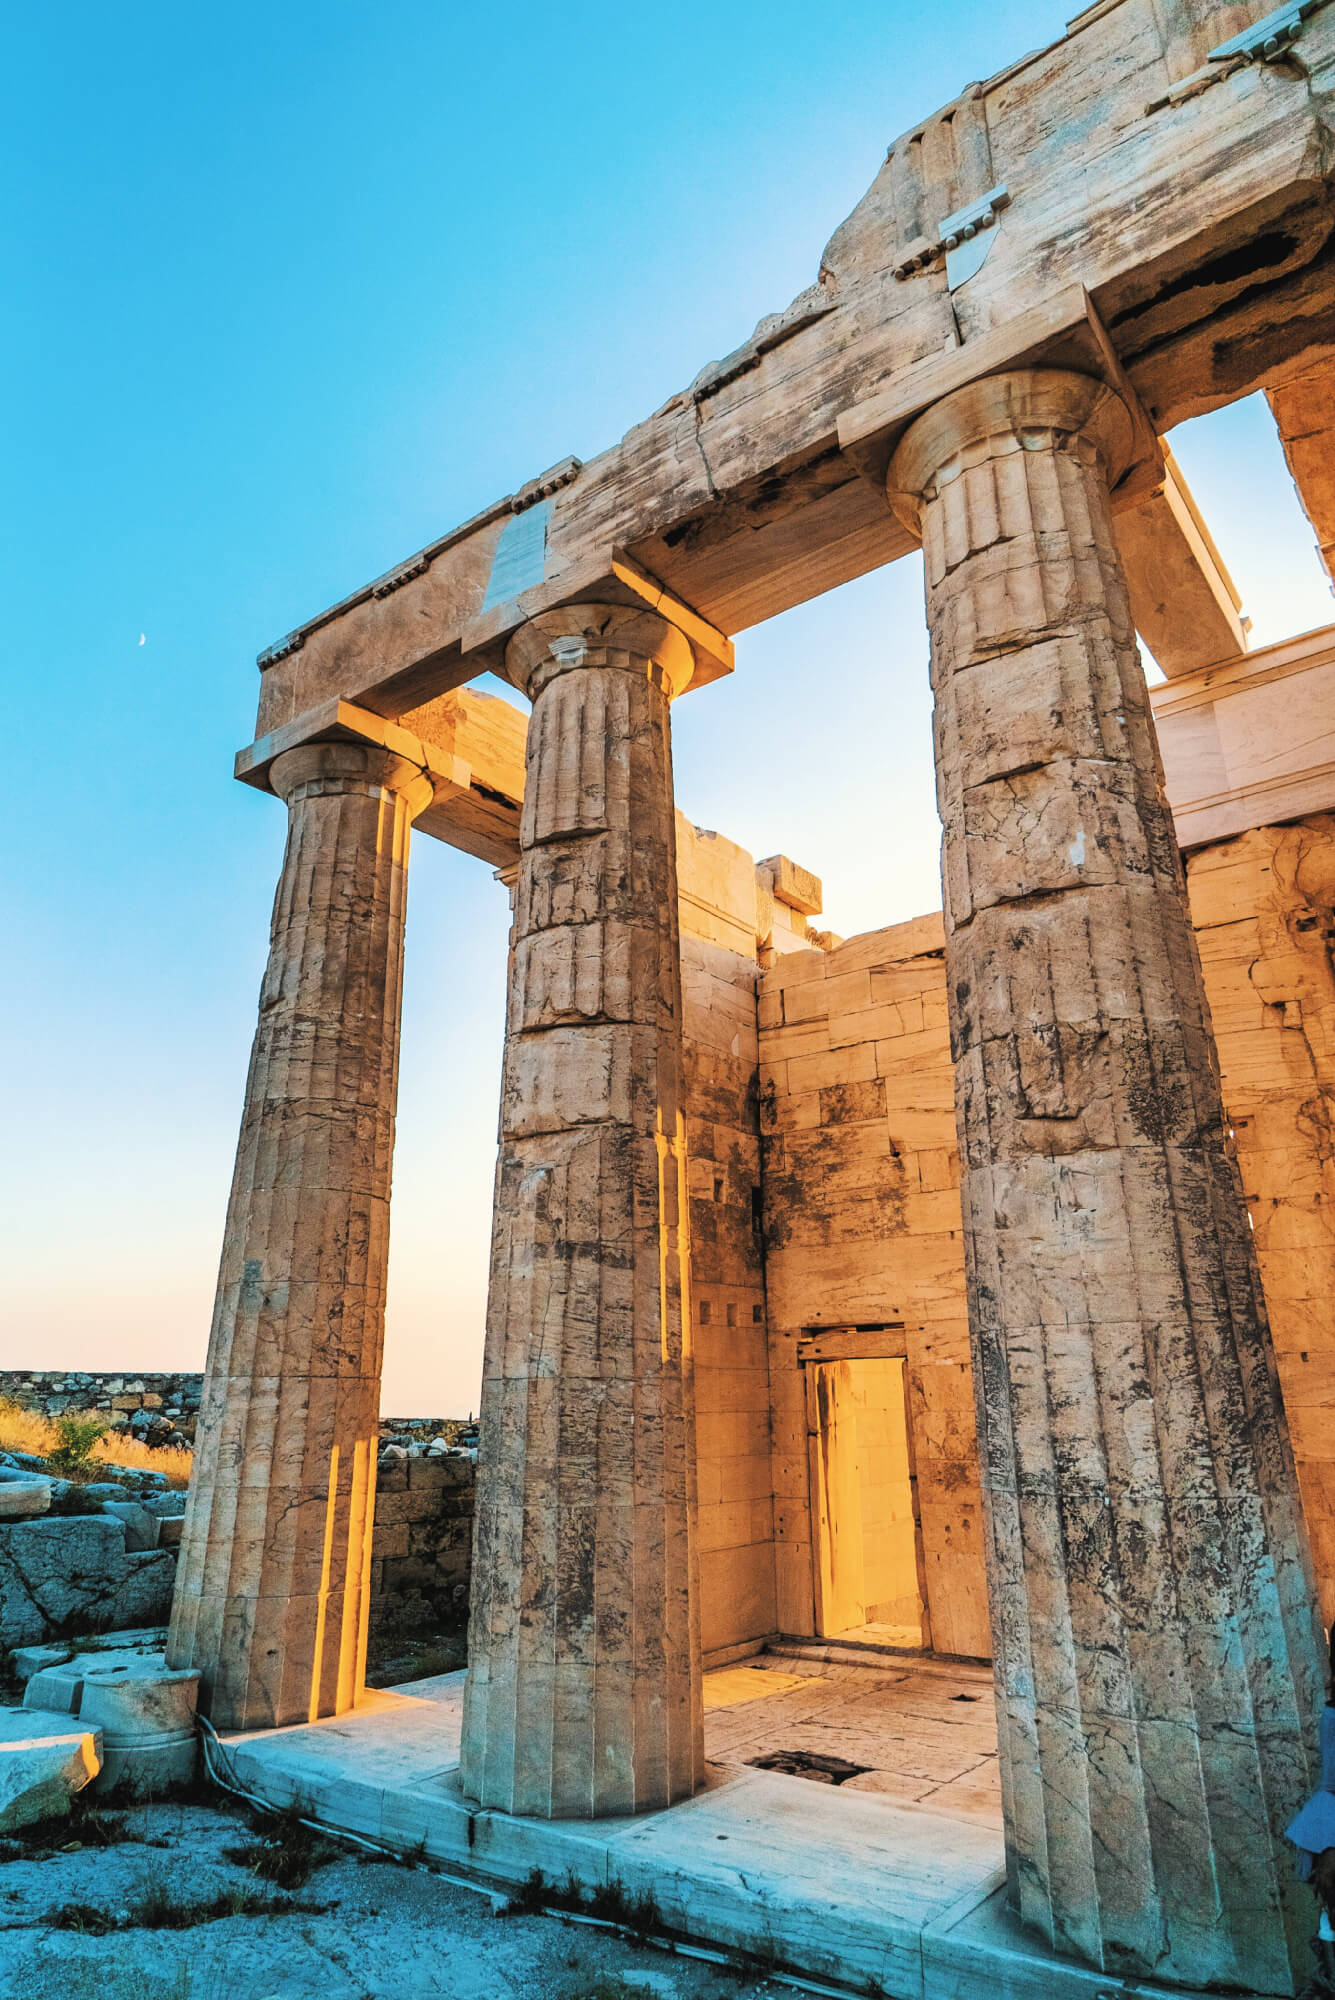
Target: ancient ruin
<point x="1031" y="1198"/>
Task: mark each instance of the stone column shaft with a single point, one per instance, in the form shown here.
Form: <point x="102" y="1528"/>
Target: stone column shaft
<point x="271" y="1591"/>
<point x="583" y="1690"/>
<point x="1157" y="1653"/>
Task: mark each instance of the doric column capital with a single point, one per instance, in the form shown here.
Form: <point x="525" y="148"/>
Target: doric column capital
<point x="598" y="635"/>
<point x="1036" y="408"/>
<point x="315" y="770"/>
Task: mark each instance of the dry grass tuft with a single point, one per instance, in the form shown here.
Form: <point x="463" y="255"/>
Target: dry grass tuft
<point x="157" y="1908"/>
<point x="28" y="1430"/>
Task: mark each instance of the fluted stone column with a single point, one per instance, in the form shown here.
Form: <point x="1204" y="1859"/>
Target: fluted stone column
<point x="272" y="1586"/>
<point x="1157" y="1653"/>
<point x="583" y="1694"/>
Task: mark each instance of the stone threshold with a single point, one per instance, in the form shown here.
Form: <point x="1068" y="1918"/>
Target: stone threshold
<point x="844" y="1650"/>
<point x="845" y="1888"/>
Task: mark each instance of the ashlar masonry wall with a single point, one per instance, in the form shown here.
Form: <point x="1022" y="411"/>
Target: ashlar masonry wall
<point x="1264" y="911"/>
<point x="862" y="1218"/>
<point x="421" y="1543"/>
<point x="728" y="911"/>
<point x="863" y="1228"/>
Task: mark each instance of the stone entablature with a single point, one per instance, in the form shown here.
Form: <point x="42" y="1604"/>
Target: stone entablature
<point x="740" y="494"/>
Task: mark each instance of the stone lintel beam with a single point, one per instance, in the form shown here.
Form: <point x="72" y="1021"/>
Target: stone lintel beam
<point x="1304" y="411"/>
<point x="1232" y="759"/>
<point x="612" y="578"/>
<point x="1184" y="602"/>
<point x="1063" y="331"/>
<point x="1194" y="207"/>
<point x="437" y="630"/>
<point x="471" y="746"/>
<point x="342" y="722"/>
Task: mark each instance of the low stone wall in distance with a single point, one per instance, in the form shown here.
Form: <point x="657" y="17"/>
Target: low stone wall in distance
<point x="70" y="1574"/>
<point x="53" y="1391"/>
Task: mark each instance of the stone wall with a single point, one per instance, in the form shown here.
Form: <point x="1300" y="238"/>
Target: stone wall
<point x="421" y="1543"/>
<point x="53" y="1391"/>
<point x="861" y="1186"/>
<point x="863" y="1231"/>
<point x="1264" y="911"/>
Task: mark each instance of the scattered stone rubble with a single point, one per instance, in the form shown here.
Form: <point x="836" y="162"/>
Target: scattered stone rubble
<point x="83" y="1558"/>
<point x="44" y="1761"/>
<point x="416" y="1437"/>
<point x="113" y="1716"/>
<point x="89" y="1558"/>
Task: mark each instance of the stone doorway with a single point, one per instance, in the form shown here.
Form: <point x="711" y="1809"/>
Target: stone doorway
<point x="869" y="1575"/>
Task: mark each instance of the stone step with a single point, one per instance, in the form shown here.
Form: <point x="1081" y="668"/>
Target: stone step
<point x="25" y="1661"/>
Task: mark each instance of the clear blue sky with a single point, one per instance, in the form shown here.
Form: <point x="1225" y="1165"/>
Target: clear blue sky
<point x="290" y="291"/>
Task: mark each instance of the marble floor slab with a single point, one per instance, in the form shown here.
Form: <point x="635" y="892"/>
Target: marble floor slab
<point x="890" y="1883"/>
<point x="925" y="1736"/>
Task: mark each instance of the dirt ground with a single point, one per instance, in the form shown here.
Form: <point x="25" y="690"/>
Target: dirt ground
<point x="145" y="1904"/>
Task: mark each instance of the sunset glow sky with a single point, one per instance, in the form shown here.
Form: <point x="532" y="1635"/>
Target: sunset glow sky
<point x="292" y="290"/>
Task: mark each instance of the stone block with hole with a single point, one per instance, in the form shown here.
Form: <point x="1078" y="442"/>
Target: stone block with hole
<point x="145" y="1712"/>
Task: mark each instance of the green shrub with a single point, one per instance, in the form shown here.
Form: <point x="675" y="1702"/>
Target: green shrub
<point x="78" y="1439"/>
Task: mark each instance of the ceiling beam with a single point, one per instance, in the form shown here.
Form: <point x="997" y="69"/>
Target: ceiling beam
<point x="1184" y="602"/>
